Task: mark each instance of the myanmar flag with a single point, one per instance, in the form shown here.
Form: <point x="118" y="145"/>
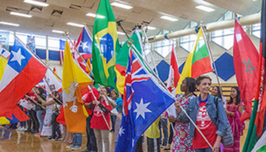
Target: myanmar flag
<point x="256" y="123"/>
<point x="122" y="59"/>
<point x="74" y="80"/>
<point x="198" y="61"/>
<point x="105" y="45"/>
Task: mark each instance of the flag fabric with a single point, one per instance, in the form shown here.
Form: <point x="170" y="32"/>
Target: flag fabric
<point x="3" y="63"/>
<point x="246" y="59"/>
<point x="105" y="45"/>
<point x="61" y="51"/>
<point x="23" y="72"/>
<point x="198" y="61"/>
<point x="74" y="80"/>
<point x="261" y="144"/>
<point x="5" y="53"/>
<point x="257" y="119"/>
<point x="53" y="83"/>
<point x="174" y="75"/>
<point x="31" y="43"/>
<point x="122" y="59"/>
<point x="84" y="46"/>
<point x="144" y="101"/>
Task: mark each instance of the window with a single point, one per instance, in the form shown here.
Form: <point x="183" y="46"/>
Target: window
<point x="256" y="30"/>
<point x="53" y="43"/>
<point x="40" y="41"/>
<point x="187" y="42"/>
<point x="164" y="47"/>
<point x="22" y="37"/>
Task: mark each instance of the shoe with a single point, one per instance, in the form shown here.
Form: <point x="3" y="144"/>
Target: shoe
<point x="28" y="130"/>
<point x="70" y="146"/>
<point x="85" y="150"/>
<point x="162" y="146"/>
<point x="38" y="134"/>
<point x="24" y="128"/>
<point x="19" y="128"/>
<point x="51" y="138"/>
<point x="58" y="138"/>
<point x="75" y="147"/>
<point x="167" y="148"/>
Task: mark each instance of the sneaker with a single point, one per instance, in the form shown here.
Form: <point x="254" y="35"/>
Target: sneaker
<point x="19" y="128"/>
<point x="38" y="134"/>
<point x="24" y="128"/>
<point x="162" y="146"/>
<point x="58" y="138"/>
<point x="70" y="146"/>
<point x="51" y="138"/>
<point x="75" y="147"/>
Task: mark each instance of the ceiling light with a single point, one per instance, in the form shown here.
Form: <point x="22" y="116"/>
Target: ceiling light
<point x="36" y="3"/>
<point x="21" y="14"/>
<point x="94" y="15"/>
<point x="120" y="33"/>
<point x="57" y="31"/>
<point x="205" y="8"/>
<point x="75" y="24"/>
<point x="150" y="27"/>
<point x="169" y="18"/>
<point x="121" y="5"/>
<point x="8" y="23"/>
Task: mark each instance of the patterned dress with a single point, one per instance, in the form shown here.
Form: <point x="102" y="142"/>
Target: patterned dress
<point x="182" y="142"/>
<point x="237" y="127"/>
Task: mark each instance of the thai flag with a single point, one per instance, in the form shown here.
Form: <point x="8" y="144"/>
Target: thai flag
<point x="61" y="51"/>
<point x="23" y="72"/>
<point x="84" y="46"/>
<point x="144" y="101"/>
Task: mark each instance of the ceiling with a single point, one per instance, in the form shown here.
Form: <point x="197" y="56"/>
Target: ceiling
<point x="59" y="12"/>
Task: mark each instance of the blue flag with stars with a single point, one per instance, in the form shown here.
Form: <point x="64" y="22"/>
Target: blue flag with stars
<point x="144" y="101"/>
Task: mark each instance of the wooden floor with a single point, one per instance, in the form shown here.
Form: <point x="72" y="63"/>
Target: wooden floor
<point x="17" y="141"/>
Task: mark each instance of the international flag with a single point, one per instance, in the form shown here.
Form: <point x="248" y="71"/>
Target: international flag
<point x="198" y="61"/>
<point x="105" y="45"/>
<point x="23" y="72"/>
<point x="144" y="101"/>
<point x="122" y="58"/>
<point x="174" y="75"/>
<point x="257" y="119"/>
<point x="246" y="59"/>
<point x="61" y="51"/>
<point x="84" y="46"/>
<point x="3" y="63"/>
<point x="31" y="43"/>
<point x="52" y="82"/>
<point x="74" y="80"/>
<point x="5" y="53"/>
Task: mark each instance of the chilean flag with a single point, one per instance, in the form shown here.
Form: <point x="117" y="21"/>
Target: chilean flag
<point x="23" y="72"/>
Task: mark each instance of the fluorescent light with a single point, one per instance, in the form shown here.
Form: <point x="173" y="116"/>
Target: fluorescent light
<point x="121" y="5"/>
<point x="21" y="14"/>
<point x="75" y="24"/>
<point x="169" y="18"/>
<point x="150" y="27"/>
<point x="8" y="23"/>
<point x="94" y="15"/>
<point x="57" y="31"/>
<point x="205" y="8"/>
<point x="120" y="33"/>
<point x="36" y="3"/>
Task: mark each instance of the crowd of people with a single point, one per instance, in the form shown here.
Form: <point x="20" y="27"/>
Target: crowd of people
<point x="206" y="112"/>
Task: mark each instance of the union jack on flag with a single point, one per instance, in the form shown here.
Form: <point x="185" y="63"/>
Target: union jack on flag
<point x="144" y="101"/>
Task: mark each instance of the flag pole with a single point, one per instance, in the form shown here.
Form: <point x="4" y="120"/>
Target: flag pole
<point x="212" y="59"/>
<point x="91" y="73"/>
<point x="50" y="89"/>
<point x="38" y="58"/>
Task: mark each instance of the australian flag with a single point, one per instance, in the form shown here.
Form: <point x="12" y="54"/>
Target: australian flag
<point x="144" y="101"/>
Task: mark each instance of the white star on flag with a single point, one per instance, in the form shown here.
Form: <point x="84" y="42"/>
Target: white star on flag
<point x="85" y="46"/>
<point x="121" y="131"/>
<point x="17" y="56"/>
<point x="141" y="109"/>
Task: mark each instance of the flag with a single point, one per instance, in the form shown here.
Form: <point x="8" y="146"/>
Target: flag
<point x="257" y="119"/>
<point x="84" y="46"/>
<point x="144" y="101"/>
<point x="105" y="45"/>
<point x="246" y="59"/>
<point x="122" y="59"/>
<point x="261" y="144"/>
<point x="31" y="43"/>
<point x="53" y="83"/>
<point x="23" y="72"/>
<point x="3" y="63"/>
<point x="174" y="75"/>
<point x="198" y="61"/>
<point x="61" y="51"/>
<point x="74" y="80"/>
<point x="5" y="53"/>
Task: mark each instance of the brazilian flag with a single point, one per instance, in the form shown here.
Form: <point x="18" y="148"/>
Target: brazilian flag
<point x="105" y="45"/>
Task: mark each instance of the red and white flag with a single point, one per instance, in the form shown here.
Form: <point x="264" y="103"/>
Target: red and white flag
<point x="174" y="75"/>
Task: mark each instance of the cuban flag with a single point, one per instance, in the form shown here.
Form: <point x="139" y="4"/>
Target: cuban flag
<point x="144" y="101"/>
<point x="84" y="46"/>
<point x="23" y="72"/>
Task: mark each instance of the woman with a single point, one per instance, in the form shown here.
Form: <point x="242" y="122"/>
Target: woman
<point x="100" y="122"/>
<point x="182" y="142"/>
<point x="119" y="102"/>
<point x="233" y="110"/>
<point x="40" y="93"/>
<point x="209" y="116"/>
<point x="217" y="93"/>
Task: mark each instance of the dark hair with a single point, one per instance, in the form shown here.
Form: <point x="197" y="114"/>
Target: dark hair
<point x="219" y="95"/>
<point x="201" y="77"/>
<point x="108" y="91"/>
<point x="41" y="90"/>
<point x="191" y="84"/>
<point x="238" y="99"/>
